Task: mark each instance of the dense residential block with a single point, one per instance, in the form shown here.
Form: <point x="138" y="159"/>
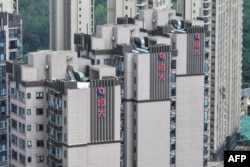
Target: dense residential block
<point x="162" y="62"/>
<point x="63" y="112"/>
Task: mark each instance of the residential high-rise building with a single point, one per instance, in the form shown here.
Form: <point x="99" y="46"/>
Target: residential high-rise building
<point x="161" y="60"/>
<point x="120" y="8"/>
<point x="224" y="20"/>
<point x="130" y="8"/>
<point x="67" y="18"/>
<point x="63" y="112"/>
<point x="10" y="49"/>
<point x="10" y="6"/>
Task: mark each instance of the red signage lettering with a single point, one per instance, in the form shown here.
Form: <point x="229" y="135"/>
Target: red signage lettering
<point x="101" y="103"/>
<point x="101" y="113"/>
<point x="161" y="67"/>
<point x="161" y="77"/>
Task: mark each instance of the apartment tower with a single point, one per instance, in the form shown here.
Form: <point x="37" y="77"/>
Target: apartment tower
<point x="67" y="18"/>
<point x="64" y="112"/>
<point x="160" y="59"/>
<point x="224" y="20"/>
<point x="130" y="8"/>
<point x="10" y="49"/>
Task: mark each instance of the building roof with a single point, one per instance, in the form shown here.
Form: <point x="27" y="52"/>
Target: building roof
<point x="245" y="92"/>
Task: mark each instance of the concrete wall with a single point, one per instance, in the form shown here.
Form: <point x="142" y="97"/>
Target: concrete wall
<point x="153" y="134"/>
<point x="189" y="120"/>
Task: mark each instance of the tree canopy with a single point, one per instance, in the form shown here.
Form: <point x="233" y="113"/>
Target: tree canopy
<point x="35" y="19"/>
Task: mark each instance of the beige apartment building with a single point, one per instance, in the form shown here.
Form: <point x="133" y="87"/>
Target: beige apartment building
<point x="10" y="49"/>
<point x="224" y="19"/>
<point x="63" y="112"/>
<point x="161" y="59"/>
<point x="9" y="6"/>
<point x="67" y="18"/>
<point x="130" y="8"/>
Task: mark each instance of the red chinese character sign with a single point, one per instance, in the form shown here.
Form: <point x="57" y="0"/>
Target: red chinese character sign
<point x="196" y="44"/>
<point x="161" y="66"/>
<point x="101" y="102"/>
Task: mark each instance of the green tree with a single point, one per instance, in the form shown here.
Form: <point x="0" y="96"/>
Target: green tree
<point x="100" y="12"/>
<point x="246" y="43"/>
<point x="35" y="19"/>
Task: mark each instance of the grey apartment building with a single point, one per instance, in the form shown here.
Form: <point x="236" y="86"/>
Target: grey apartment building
<point x="68" y="17"/>
<point x="224" y="20"/>
<point x="63" y="112"/>
<point x="161" y="60"/>
<point x="10" y="49"/>
<point x="130" y="8"/>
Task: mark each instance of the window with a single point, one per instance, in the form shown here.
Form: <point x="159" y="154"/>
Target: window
<point x="29" y="159"/>
<point x="22" y="159"/>
<point x="134" y="79"/>
<point x="28" y="111"/>
<point x="21" y="143"/>
<point x="65" y="137"/>
<point x="58" y="120"/>
<point x="29" y="143"/>
<point x="65" y="104"/>
<point x="21" y="96"/>
<point x="172" y="107"/>
<point x="206" y="91"/>
<point x="39" y="127"/>
<point x="14" y="139"/>
<point x="172" y="132"/>
<point x="65" y="120"/>
<point x="205" y="103"/>
<point x="40" y="159"/>
<point x="39" y="111"/>
<point x="58" y="153"/>
<point x="172" y="118"/>
<point x="39" y="95"/>
<point x="21" y="128"/>
<point x="21" y="112"/>
<point x="173" y="92"/>
<point x="28" y="95"/>
<point x="206" y="68"/>
<point x="205" y="127"/>
<point x="28" y="127"/>
<point x="65" y="154"/>
<point x="39" y="143"/>
<point x="173" y="78"/>
<point x="13" y="108"/>
<point x="172" y="145"/>
<point x="14" y="154"/>
<point x="13" y="123"/>
<point x="205" y="115"/>
<point x="205" y="140"/>
<point x="126" y="7"/>
<point x="107" y="61"/>
<point x="172" y="159"/>
<point x="173" y="64"/>
<point x="13" y="93"/>
<point x="206" y="55"/>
